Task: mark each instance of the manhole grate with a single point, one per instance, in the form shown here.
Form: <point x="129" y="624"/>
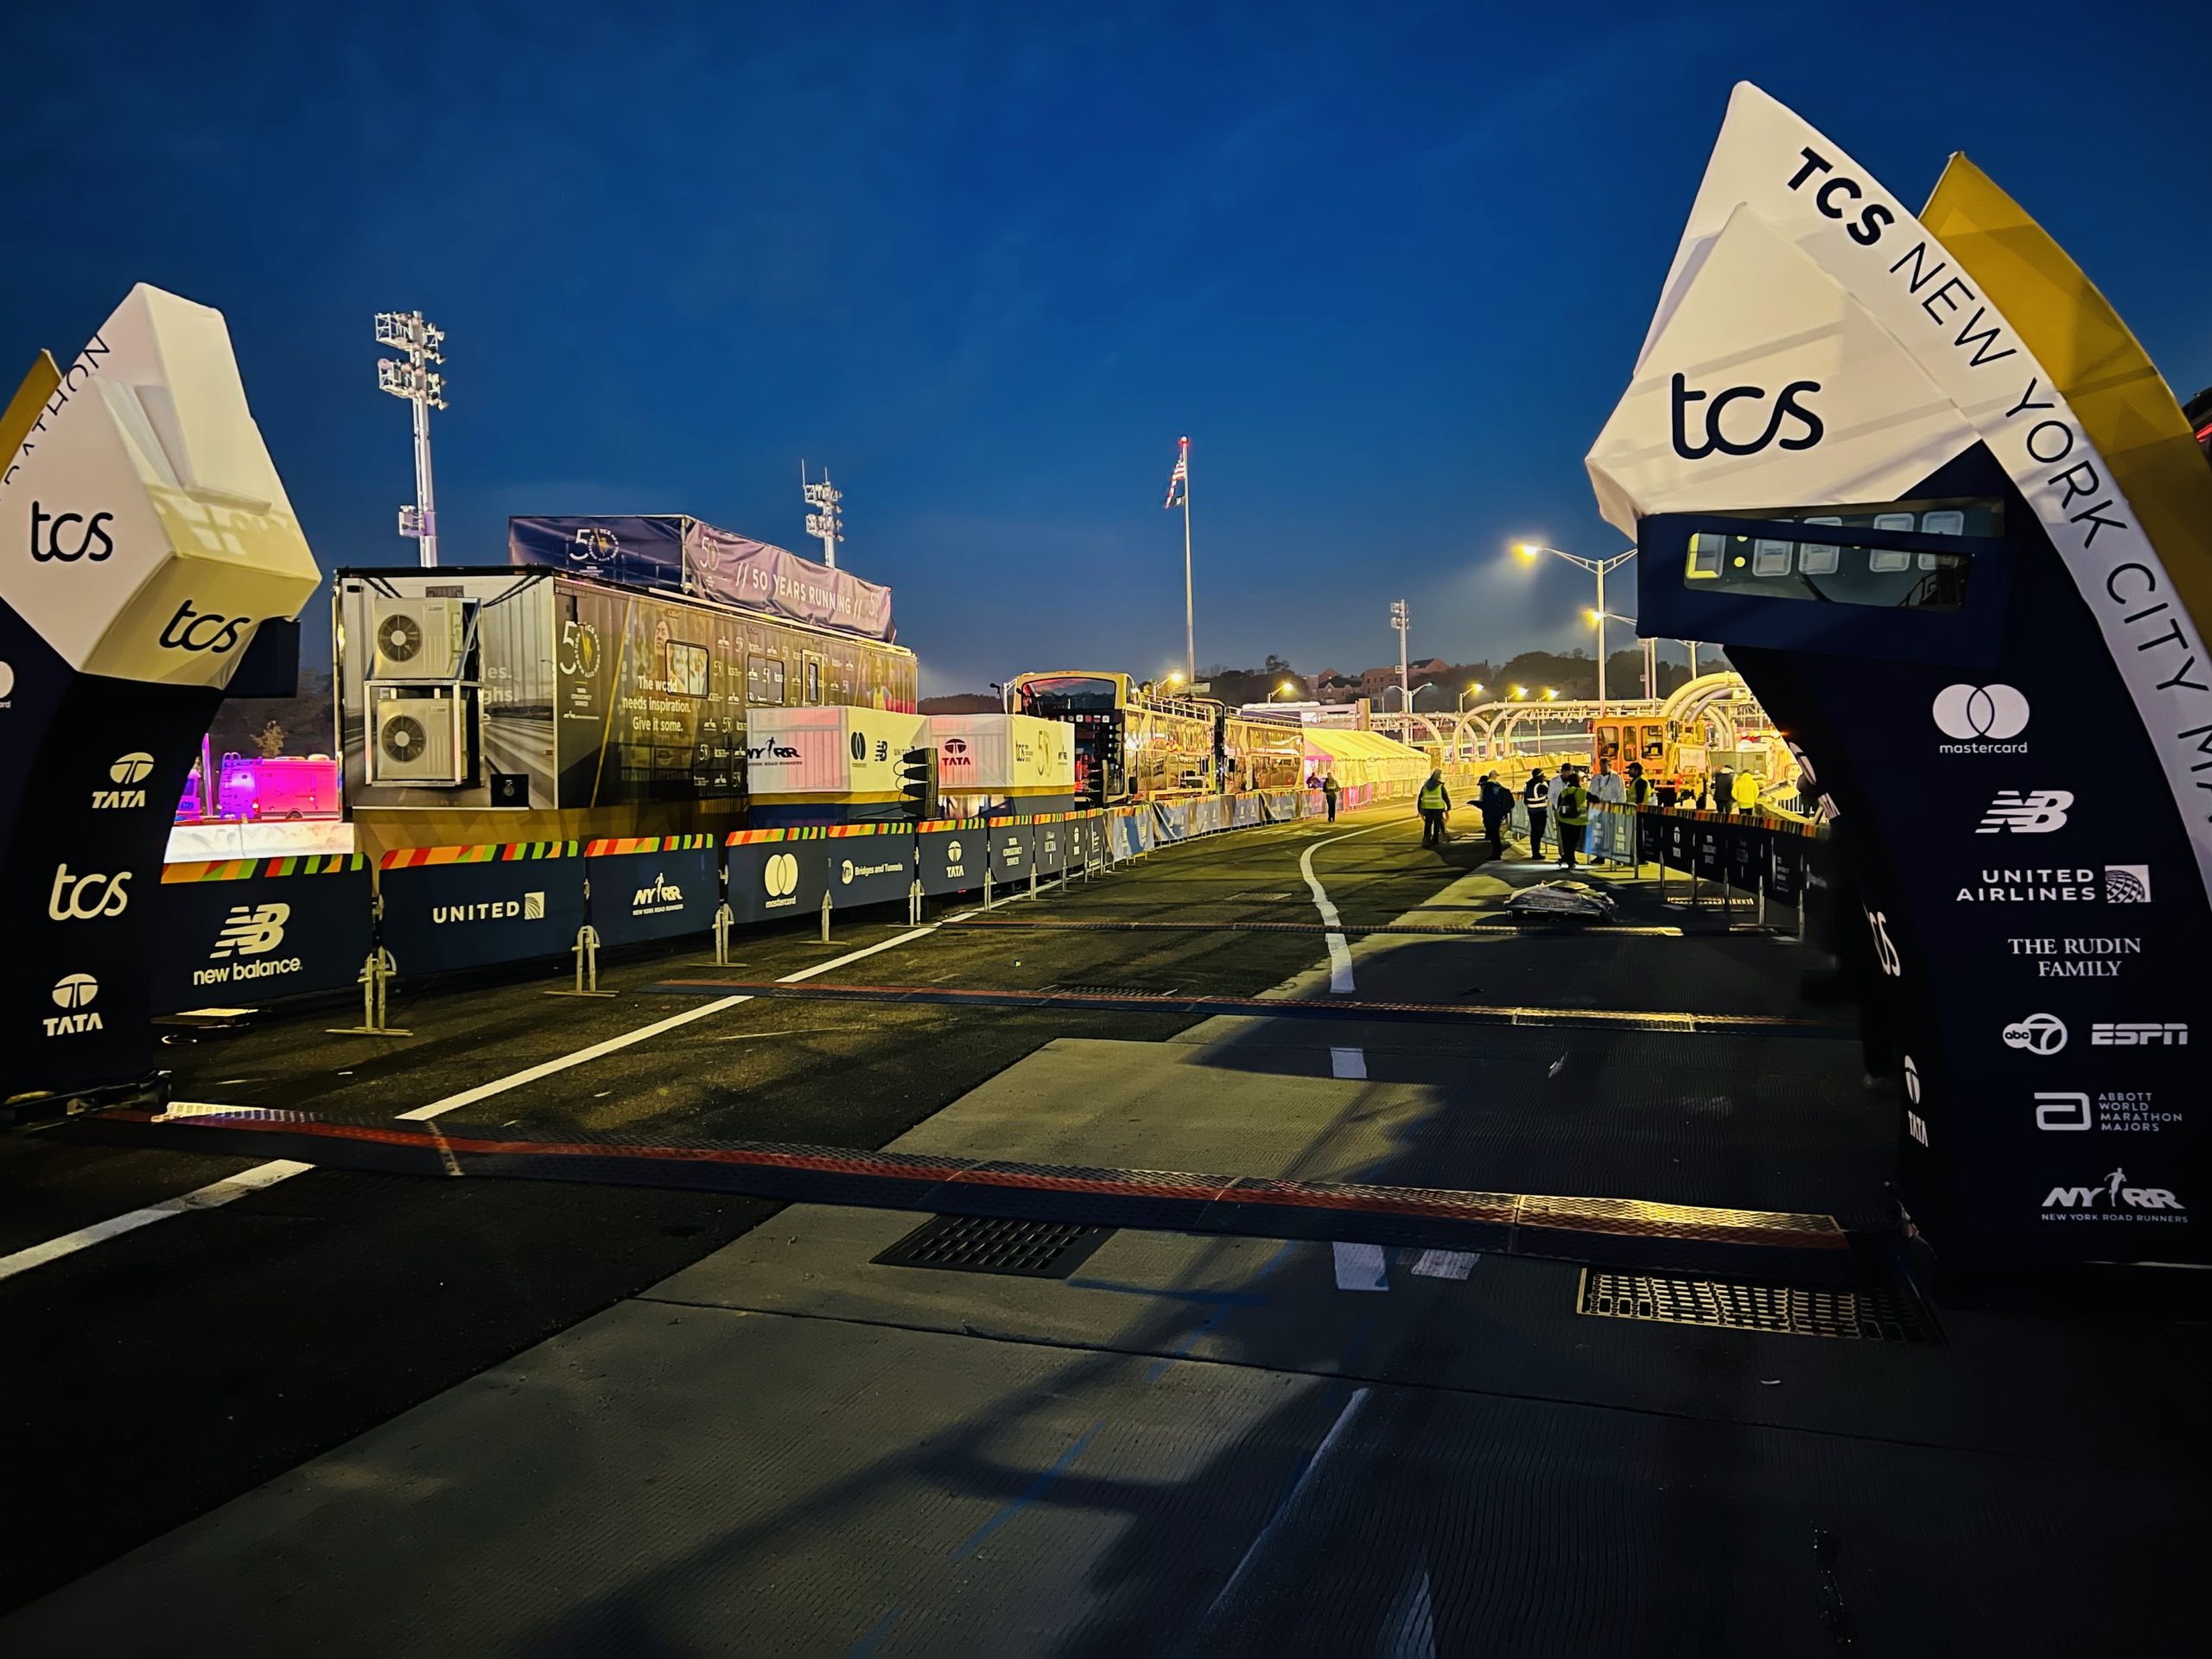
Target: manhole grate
<point x="1072" y="989"/>
<point x="1031" y="1249"/>
<point x="1880" y="1313"/>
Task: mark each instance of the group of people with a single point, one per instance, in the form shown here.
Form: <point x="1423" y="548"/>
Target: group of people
<point x="1562" y="805"/>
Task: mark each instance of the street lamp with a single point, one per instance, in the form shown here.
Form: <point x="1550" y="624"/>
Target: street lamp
<point x="1474" y="691"/>
<point x="424" y="387"/>
<point x="1551" y="694"/>
<point x="1400" y="618"/>
<point x="1520" y="691"/>
<point x="1280" y="691"/>
<point x="1600" y="568"/>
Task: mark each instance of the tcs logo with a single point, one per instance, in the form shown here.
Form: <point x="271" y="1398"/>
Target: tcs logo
<point x="1786" y="407"/>
<point x="198" y="630"/>
<point x="48" y="529"/>
<point x="88" y="897"/>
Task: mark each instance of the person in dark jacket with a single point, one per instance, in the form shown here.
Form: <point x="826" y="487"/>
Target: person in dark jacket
<point x="1570" y="807"/>
<point x="1536" y="795"/>
<point x="1434" y="802"/>
<point x="1329" y="793"/>
<point x="1639" y="786"/>
<point x="1496" y="803"/>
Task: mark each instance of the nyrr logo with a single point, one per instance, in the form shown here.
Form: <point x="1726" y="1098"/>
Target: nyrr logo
<point x="133" y="768"/>
<point x="88" y="897"/>
<point x="2108" y="1201"/>
<point x="2039" y="1033"/>
<point x="661" y="896"/>
<point x="1983" y="718"/>
<point x="1786" y="406"/>
<point x="250" y="930"/>
<point x="75" y="994"/>
<point x="48" y="528"/>
<point x="2026" y="813"/>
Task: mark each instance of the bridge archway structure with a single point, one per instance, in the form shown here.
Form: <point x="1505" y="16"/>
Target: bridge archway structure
<point x="1718" y="707"/>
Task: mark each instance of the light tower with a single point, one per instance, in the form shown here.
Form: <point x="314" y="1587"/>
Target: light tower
<point x="424" y="387"/>
<point x="826" y="522"/>
<point x="1402" y="619"/>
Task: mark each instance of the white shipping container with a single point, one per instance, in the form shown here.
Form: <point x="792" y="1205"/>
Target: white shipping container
<point x="829" y="753"/>
<point x="1002" y="755"/>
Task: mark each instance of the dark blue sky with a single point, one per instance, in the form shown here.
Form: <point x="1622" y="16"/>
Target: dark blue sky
<point x="1387" y="264"/>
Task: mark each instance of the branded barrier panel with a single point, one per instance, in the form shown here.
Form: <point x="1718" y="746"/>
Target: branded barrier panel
<point x="1786" y="857"/>
<point x="1248" y="810"/>
<point x="1090" y="838"/>
<point x="1048" y="844"/>
<point x="652" y="887"/>
<point x="1171" y="821"/>
<point x="954" y="854"/>
<point x="1011" y="854"/>
<point x="870" y="869"/>
<point x="243" y="930"/>
<point x="774" y="875"/>
<point x="472" y="907"/>
<point x="1122" y="834"/>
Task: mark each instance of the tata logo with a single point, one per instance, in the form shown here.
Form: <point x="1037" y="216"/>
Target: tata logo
<point x="1982" y="718"/>
<point x="125" y="769"/>
<point x="779" y="875"/>
<point x="198" y="630"/>
<point x="250" y="930"/>
<point x="88" y="897"/>
<point x="954" y="753"/>
<point x="48" y="530"/>
<point x="2113" y="1196"/>
<point x="2039" y="1033"/>
<point x="1786" y="407"/>
<point x="2026" y="813"/>
<point x="75" y="994"/>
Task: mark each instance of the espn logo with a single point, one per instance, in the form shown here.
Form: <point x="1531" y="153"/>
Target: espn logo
<point x="2138" y="1034"/>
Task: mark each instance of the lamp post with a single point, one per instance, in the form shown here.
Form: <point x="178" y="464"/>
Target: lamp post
<point x="826" y="524"/>
<point x="1280" y="691"/>
<point x="424" y="387"/>
<point x="1474" y="690"/>
<point x="1600" y="568"/>
<point x="1402" y="619"/>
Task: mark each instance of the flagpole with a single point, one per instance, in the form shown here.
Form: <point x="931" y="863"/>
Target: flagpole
<point x="1190" y="628"/>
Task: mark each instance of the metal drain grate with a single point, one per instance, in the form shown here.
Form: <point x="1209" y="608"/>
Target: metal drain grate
<point x="1074" y="990"/>
<point x="1880" y="1313"/>
<point x="1029" y="1249"/>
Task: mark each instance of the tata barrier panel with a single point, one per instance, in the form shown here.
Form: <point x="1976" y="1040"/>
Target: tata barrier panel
<point x="652" y="887"/>
<point x="476" y="907"/>
<point x="870" y="869"/>
<point x="1048" y="845"/>
<point x="774" y="874"/>
<point x="246" y="930"/>
<point x="953" y="857"/>
<point x="1011" y="854"/>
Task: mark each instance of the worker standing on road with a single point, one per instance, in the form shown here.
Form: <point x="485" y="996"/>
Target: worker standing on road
<point x="1329" y="793"/>
<point x="1496" y="803"/>
<point x="1724" y="791"/>
<point x="1606" y="785"/>
<point x="1745" y="793"/>
<point x="1571" y="806"/>
<point x="1639" y="786"/>
<point x="1434" y="802"/>
<point x="1536" y="795"/>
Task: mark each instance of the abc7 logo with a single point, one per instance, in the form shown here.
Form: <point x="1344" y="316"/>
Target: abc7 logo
<point x="1996" y="712"/>
<point x="780" y="875"/>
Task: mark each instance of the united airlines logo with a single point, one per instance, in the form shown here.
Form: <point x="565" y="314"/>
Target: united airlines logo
<point x="2026" y="813"/>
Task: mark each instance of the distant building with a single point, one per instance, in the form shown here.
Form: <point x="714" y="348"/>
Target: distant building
<point x="1329" y="686"/>
<point x="1373" y="681"/>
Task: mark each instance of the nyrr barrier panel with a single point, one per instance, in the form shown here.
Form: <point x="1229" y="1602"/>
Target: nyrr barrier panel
<point x="646" y="888"/>
<point x="870" y="864"/>
<point x="1011" y="853"/>
<point x="775" y="875"/>
<point x="246" y="930"/>
<point x="473" y="906"/>
<point x="1708" y="851"/>
<point x="954" y="854"/>
<point x="1048" y="843"/>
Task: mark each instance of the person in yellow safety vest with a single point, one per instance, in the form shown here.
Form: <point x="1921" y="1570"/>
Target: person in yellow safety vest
<point x="1571" y="810"/>
<point x="1435" y="801"/>
<point x="1745" y="790"/>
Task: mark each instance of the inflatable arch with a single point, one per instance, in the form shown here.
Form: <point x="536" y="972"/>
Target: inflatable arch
<point x="1956" y="533"/>
<point x="144" y="537"/>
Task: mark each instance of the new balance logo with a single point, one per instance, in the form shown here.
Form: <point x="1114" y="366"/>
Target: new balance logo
<point x="2026" y="813"/>
<point x="250" y="930"/>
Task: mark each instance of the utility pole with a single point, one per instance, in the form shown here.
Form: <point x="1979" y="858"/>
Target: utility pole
<point x="424" y="387"/>
<point x="1190" y="622"/>
<point x="827" y="522"/>
<point x="1400" y="618"/>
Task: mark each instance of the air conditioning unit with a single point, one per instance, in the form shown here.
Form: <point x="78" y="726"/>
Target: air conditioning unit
<point x="416" y="740"/>
<point x="421" y="640"/>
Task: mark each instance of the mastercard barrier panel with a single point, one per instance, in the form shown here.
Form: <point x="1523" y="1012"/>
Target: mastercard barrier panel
<point x="652" y="887"/>
<point x="448" y="907"/>
<point x="774" y="875"/>
<point x="244" y="930"/>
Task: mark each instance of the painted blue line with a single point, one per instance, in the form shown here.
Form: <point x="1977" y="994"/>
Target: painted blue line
<point x="876" y="1632"/>
<point x="1205" y="1298"/>
<point x="1036" y="1490"/>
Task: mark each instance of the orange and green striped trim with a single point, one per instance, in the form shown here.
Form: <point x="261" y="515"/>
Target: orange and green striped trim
<point x="608" y="845"/>
<point x="243" y="869"/>
<point x="409" y="858"/>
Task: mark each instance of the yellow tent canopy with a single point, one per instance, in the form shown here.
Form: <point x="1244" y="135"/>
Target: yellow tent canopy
<point x="1363" y="757"/>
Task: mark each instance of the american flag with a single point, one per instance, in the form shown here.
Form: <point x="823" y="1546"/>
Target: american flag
<point x="1179" y="481"/>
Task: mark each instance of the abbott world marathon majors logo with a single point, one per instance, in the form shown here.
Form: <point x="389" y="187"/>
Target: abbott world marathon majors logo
<point x="779" y="875"/>
<point x="2114" y="1111"/>
<point x="1981" y="719"/>
<point x="245" y="947"/>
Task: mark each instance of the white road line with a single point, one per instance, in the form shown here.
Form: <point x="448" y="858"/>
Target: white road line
<point x="1259" y="1544"/>
<point x="1348" y="1063"/>
<point x="262" y="1176"/>
<point x="1339" y="953"/>
<point x="1361" y="1266"/>
<point x="211" y="1197"/>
